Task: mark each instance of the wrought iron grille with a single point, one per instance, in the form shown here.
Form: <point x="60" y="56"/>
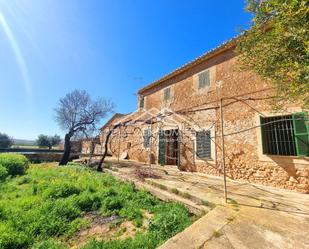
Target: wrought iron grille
<point x="278" y="135"/>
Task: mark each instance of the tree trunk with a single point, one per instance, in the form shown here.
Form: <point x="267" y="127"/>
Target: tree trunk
<point x="100" y="165"/>
<point x="67" y="149"/>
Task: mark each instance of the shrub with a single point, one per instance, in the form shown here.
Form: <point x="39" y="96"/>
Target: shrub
<point x="3" y="173"/>
<point x="13" y="239"/>
<point x="5" y="141"/>
<point x="15" y="164"/>
<point x="143" y="173"/>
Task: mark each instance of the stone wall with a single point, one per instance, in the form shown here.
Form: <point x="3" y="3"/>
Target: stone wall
<point x="87" y="147"/>
<point x="44" y="157"/>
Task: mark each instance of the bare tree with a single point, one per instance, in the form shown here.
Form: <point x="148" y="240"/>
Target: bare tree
<point x="76" y="114"/>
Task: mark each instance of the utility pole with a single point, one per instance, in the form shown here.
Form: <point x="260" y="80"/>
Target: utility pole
<point x="222" y="150"/>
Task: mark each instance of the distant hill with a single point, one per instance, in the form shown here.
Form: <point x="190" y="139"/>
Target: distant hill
<point x="24" y="142"/>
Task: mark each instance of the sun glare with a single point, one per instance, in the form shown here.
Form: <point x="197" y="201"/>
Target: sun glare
<point x="5" y="26"/>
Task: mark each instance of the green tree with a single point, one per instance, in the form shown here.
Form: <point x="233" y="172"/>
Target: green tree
<point x="5" y="141"/>
<point x="48" y="141"/>
<point x="276" y="47"/>
<point x="55" y="140"/>
<point x="43" y="141"/>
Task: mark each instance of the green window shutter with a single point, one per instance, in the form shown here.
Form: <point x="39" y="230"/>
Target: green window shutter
<point x="301" y="133"/>
<point x="162" y="148"/>
<point x="203" y="144"/>
<point x="203" y="79"/>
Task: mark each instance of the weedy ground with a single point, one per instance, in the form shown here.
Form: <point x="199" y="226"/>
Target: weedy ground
<point x="72" y="207"/>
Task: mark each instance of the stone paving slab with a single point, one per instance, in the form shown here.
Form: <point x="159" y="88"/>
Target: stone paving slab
<point x="202" y="230"/>
<point x="256" y="228"/>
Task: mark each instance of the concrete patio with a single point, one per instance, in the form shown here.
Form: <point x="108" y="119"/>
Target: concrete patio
<point x="256" y="216"/>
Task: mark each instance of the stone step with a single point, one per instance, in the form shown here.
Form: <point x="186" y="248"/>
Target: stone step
<point x="201" y="231"/>
<point x="185" y="194"/>
<point x="163" y="194"/>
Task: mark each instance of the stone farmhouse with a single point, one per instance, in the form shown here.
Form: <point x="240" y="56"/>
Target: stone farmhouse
<point x="178" y="122"/>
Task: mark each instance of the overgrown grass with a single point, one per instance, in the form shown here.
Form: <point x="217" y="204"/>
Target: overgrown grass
<point x="49" y="203"/>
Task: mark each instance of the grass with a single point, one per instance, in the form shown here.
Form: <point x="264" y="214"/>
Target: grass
<point x="48" y="206"/>
<point x="175" y="191"/>
<point x="232" y="201"/>
<point x="158" y="185"/>
<point x="217" y="234"/>
<point x="185" y="195"/>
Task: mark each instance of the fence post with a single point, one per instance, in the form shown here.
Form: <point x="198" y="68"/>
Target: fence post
<point x="119" y="137"/>
<point x="150" y="143"/>
<point x="222" y="150"/>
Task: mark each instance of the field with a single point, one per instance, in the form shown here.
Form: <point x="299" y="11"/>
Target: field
<point x="73" y="207"/>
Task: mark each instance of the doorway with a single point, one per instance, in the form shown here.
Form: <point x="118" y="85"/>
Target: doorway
<point x="169" y="147"/>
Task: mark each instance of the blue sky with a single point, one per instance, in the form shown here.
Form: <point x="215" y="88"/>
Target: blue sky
<point x="108" y="48"/>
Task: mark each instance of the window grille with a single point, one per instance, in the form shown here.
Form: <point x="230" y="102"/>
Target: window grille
<point x="147" y="138"/>
<point x="203" y="144"/>
<point x="203" y="79"/>
<point x="278" y="135"/>
<point x="167" y="94"/>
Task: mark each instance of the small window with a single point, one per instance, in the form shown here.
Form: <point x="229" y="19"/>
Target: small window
<point x="167" y="94"/>
<point x="278" y="135"/>
<point x="147" y="138"/>
<point x="141" y="102"/>
<point x="203" y="144"/>
<point x="203" y="79"/>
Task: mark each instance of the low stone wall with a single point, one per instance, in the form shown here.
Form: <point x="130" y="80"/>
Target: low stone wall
<point x="44" y="157"/>
<point x="47" y="157"/>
